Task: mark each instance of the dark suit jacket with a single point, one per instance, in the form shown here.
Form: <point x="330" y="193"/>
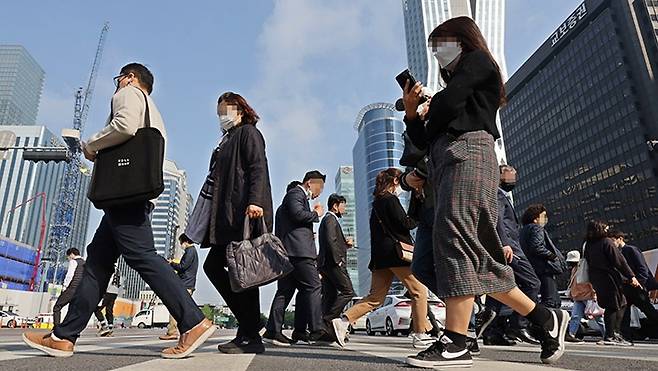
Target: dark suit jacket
<point x="389" y="223"/>
<point x="187" y="268"/>
<point x="508" y="224"/>
<point x="295" y="224"/>
<point x="542" y="253"/>
<point x="639" y="266"/>
<point x="333" y="247"/>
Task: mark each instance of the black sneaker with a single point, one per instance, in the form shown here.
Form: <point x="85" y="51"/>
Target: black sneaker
<point x="473" y="347"/>
<point x="301" y="337"/>
<point x="572" y="339"/>
<point x="499" y="340"/>
<point x="279" y="339"/>
<point x="243" y="345"/>
<point x="483" y="320"/>
<point x="443" y="353"/>
<point x="552" y="345"/>
<point x="321" y="338"/>
<point x="522" y="335"/>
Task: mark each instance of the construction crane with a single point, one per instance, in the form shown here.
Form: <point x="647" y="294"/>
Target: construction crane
<point x="65" y="206"/>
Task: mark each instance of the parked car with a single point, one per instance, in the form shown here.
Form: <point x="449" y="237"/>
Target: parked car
<point x="11" y="319"/>
<point x="360" y="324"/>
<point x="156" y="316"/>
<point x="394" y="316"/>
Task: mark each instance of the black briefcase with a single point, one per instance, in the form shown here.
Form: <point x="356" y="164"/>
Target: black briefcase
<point x="130" y="172"/>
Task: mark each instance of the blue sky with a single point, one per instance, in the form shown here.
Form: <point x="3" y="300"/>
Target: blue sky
<point x="306" y="66"/>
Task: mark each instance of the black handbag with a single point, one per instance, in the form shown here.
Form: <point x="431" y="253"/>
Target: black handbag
<point x="130" y="172"/>
<point x="256" y="262"/>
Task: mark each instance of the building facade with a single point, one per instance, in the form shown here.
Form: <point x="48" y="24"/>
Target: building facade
<point x="21" y="83"/>
<point x="421" y="17"/>
<point x="579" y="116"/>
<point x="379" y="146"/>
<point x="344" y="185"/>
<point x="169" y="220"/>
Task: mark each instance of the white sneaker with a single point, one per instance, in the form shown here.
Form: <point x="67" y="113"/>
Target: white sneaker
<point x="421" y="340"/>
<point x="341" y="328"/>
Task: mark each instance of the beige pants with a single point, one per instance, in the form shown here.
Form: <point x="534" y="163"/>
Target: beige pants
<point x="381" y="283"/>
<point x="172" y="328"/>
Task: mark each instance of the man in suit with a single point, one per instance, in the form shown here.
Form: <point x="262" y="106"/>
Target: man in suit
<point x="524" y="274"/>
<point x="294" y="227"/>
<point x="337" y="288"/>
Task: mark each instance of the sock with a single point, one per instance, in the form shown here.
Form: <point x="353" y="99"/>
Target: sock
<point x="541" y="317"/>
<point x="345" y="320"/>
<point x="457" y="339"/>
<point x="52" y="335"/>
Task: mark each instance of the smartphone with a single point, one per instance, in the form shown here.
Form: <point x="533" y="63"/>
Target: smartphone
<point x="403" y="77"/>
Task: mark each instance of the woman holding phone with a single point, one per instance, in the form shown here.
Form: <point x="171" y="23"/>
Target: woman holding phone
<point x="459" y="133"/>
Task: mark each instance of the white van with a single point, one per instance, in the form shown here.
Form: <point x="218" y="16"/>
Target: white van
<point x="156" y="316"/>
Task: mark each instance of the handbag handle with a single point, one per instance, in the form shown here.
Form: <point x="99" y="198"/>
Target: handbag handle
<point x="246" y="232"/>
<point x="147" y="115"/>
<point x="386" y="230"/>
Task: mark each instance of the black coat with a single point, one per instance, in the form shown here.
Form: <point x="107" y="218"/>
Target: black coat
<point x="508" y="224"/>
<point x="333" y="247"/>
<point x="608" y="270"/>
<point x="294" y="224"/>
<point x="468" y="103"/>
<point x="383" y="239"/>
<point x="188" y="267"/>
<point x="545" y="257"/>
<point x="241" y="178"/>
<point x="639" y="266"/>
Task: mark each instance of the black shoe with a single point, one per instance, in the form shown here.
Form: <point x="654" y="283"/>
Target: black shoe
<point x="443" y="353"/>
<point x="522" y="335"/>
<point x="243" y="345"/>
<point x="301" y="337"/>
<point x="279" y="339"/>
<point x="483" y="320"/>
<point x="473" y="347"/>
<point x="572" y="339"/>
<point x="552" y="346"/>
<point x="498" y="340"/>
<point x="321" y="338"/>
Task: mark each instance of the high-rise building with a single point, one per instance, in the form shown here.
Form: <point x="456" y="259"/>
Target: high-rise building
<point x="344" y="184"/>
<point x="652" y="8"/>
<point x="378" y="147"/>
<point x="21" y="82"/>
<point x="580" y="112"/>
<point x="169" y="220"/>
<point x="21" y="180"/>
<point x="422" y="16"/>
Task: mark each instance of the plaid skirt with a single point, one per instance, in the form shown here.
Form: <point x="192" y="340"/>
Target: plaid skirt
<point x="468" y="254"/>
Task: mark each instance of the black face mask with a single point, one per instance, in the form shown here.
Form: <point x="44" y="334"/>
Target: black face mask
<point x="507" y="187"/>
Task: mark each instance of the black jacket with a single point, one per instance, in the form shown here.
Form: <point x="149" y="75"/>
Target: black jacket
<point x="333" y="247"/>
<point x="542" y="253"/>
<point x="468" y="103"/>
<point x="188" y="267"/>
<point x="295" y="224"/>
<point x="608" y="270"/>
<point x="508" y="224"/>
<point x="639" y="266"/>
<point x="241" y="178"/>
<point x="384" y="238"/>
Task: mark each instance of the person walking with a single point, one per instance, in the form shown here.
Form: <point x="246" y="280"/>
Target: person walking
<point x="126" y="231"/>
<point x="545" y="257"/>
<point x="460" y="132"/>
<point x="608" y="271"/>
<point x="72" y="280"/>
<point x="110" y="296"/>
<point x="237" y="187"/>
<point x="337" y="288"/>
<point x="389" y="225"/>
<point x="295" y="229"/>
<point x="581" y="294"/>
<point x="187" y="269"/>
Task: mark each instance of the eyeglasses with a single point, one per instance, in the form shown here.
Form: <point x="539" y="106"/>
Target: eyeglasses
<point x="117" y="79"/>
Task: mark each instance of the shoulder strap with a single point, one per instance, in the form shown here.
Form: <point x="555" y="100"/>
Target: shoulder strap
<point x="147" y="115"/>
<point x="374" y="210"/>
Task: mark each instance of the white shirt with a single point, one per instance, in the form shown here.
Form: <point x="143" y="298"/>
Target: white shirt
<point x="73" y="264"/>
<point x="307" y="191"/>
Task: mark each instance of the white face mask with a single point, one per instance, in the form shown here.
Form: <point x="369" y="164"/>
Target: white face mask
<point x="227" y="122"/>
<point x="446" y="52"/>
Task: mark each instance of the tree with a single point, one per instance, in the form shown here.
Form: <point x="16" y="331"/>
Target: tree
<point x="208" y="312"/>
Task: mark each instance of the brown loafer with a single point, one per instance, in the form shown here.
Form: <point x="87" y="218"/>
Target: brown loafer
<point x="169" y="337"/>
<point x="48" y="345"/>
<point x="190" y="340"/>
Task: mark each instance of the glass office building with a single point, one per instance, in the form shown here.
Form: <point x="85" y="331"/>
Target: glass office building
<point x="378" y="147"/>
<point x="344" y="185"/>
<point x="21" y="82"/>
<point x="579" y="116"/>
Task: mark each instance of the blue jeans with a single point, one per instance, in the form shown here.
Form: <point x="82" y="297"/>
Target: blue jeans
<point x="577" y="313"/>
<point x="422" y="265"/>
